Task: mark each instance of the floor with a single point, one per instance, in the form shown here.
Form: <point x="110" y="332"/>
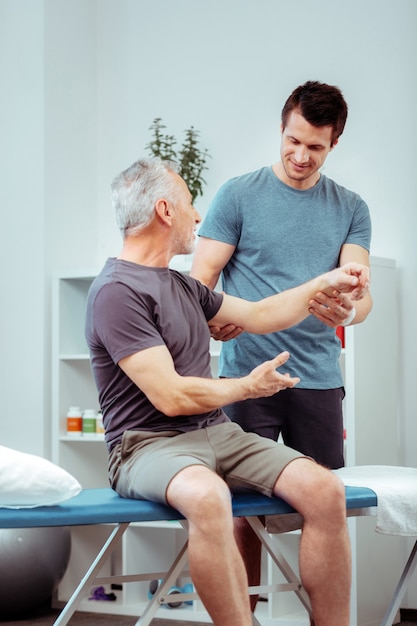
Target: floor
<point x="47" y="616"/>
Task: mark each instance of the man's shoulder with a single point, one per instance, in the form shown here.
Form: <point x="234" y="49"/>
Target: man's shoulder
<point x="249" y="178"/>
<point x="120" y="277"/>
<point x="336" y="188"/>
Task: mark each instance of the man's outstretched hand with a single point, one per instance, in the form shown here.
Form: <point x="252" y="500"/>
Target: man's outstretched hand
<point x="265" y="380"/>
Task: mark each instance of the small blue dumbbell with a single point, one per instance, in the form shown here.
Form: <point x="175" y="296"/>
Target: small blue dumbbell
<point x="188" y="588"/>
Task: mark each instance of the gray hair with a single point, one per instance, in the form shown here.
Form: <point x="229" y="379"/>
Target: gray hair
<point x="136" y="190"/>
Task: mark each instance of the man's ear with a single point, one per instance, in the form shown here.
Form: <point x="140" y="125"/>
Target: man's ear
<point x="164" y="210"/>
<point x="334" y="144"/>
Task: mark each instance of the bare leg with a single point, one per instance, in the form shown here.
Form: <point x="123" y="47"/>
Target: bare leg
<point x="325" y="560"/>
<point x="216" y="566"/>
<point x="250" y="548"/>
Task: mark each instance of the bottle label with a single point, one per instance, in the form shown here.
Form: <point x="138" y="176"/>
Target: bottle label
<point x="89" y="425"/>
<point x="74" y="425"/>
<point x="99" y="425"/>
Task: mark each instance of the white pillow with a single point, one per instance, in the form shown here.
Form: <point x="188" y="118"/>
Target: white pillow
<point x="27" y="481"/>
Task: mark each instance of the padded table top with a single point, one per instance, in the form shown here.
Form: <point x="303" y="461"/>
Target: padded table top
<point x="100" y="506"/>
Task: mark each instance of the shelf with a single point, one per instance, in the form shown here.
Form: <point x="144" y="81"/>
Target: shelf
<point x="168" y="524"/>
<point x="188" y="613"/>
<point x="90" y="438"/>
<point x="119" y="607"/>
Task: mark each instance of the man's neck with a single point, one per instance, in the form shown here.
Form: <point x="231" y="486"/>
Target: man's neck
<point x="144" y="251"/>
<point x="302" y="185"/>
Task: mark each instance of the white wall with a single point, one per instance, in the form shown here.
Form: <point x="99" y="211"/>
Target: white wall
<point x="82" y="81"/>
<point x="48" y="122"/>
<point x="71" y="130"/>
<point x="23" y="332"/>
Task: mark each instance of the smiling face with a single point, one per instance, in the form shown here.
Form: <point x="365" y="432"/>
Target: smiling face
<point x="304" y="149"/>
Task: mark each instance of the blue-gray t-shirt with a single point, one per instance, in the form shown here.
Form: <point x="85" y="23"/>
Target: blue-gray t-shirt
<point x="284" y="237"/>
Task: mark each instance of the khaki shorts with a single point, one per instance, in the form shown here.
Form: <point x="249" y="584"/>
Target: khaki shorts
<point x="144" y="463"/>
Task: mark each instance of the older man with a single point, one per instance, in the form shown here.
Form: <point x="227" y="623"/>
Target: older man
<point x="168" y="438"/>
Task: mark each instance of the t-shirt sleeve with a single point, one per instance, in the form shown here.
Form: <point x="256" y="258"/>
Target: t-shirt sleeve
<point x="123" y="322"/>
<point x="210" y="301"/>
<point x="361" y="228"/>
<point x="222" y="221"/>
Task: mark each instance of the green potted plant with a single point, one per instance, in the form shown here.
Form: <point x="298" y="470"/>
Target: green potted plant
<point x="190" y="156"/>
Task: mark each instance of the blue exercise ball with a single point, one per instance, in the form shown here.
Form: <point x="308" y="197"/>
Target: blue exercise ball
<point x="33" y="561"/>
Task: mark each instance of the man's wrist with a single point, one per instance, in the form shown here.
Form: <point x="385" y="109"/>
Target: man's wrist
<point x="349" y="318"/>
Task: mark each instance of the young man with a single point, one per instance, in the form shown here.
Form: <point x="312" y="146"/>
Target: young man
<point x="268" y="231"/>
<point x="275" y="228"/>
<point x="168" y="439"/>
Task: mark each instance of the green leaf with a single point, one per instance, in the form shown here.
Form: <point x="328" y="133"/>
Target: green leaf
<point x="190" y="157"/>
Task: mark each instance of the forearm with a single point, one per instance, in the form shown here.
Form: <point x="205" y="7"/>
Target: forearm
<point x="271" y="314"/>
<point x="355" y="253"/>
<point x="192" y="395"/>
<point x="174" y="394"/>
<point x="292" y="306"/>
<point x="153" y="371"/>
<point x="285" y="309"/>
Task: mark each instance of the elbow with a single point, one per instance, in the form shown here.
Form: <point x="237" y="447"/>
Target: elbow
<point x="171" y="396"/>
<point x="170" y="410"/>
<point x="169" y="404"/>
<point x="209" y="281"/>
<point x="207" y="275"/>
<point x="167" y="407"/>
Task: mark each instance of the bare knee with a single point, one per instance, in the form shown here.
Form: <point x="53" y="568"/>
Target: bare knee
<point x="213" y="508"/>
<point x="331" y="496"/>
<point x="315" y="492"/>
<point x="202" y="497"/>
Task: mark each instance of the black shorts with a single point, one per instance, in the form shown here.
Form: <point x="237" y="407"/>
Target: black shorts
<point x="309" y="420"/>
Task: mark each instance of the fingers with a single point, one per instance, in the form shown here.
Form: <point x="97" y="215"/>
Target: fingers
<point x="285" y="380"/>
<point x="331" y="310"/>
<point x="267" y="380"/>
<point x="351" y="278"/>
<point x="226" y="333"/>
<point x="358" y="293"/>
<point x="280" y="359"/>
<point x="362" y="272"/>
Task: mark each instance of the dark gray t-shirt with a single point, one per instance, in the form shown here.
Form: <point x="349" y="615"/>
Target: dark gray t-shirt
<point x="130" y="308"/>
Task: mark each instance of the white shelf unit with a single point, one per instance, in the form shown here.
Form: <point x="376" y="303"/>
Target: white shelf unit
<point x="72" y="381"/>
<point x="369" y="362"/>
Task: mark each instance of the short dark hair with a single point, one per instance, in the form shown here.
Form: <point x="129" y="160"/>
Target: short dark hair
<point x="320" y="105"/>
